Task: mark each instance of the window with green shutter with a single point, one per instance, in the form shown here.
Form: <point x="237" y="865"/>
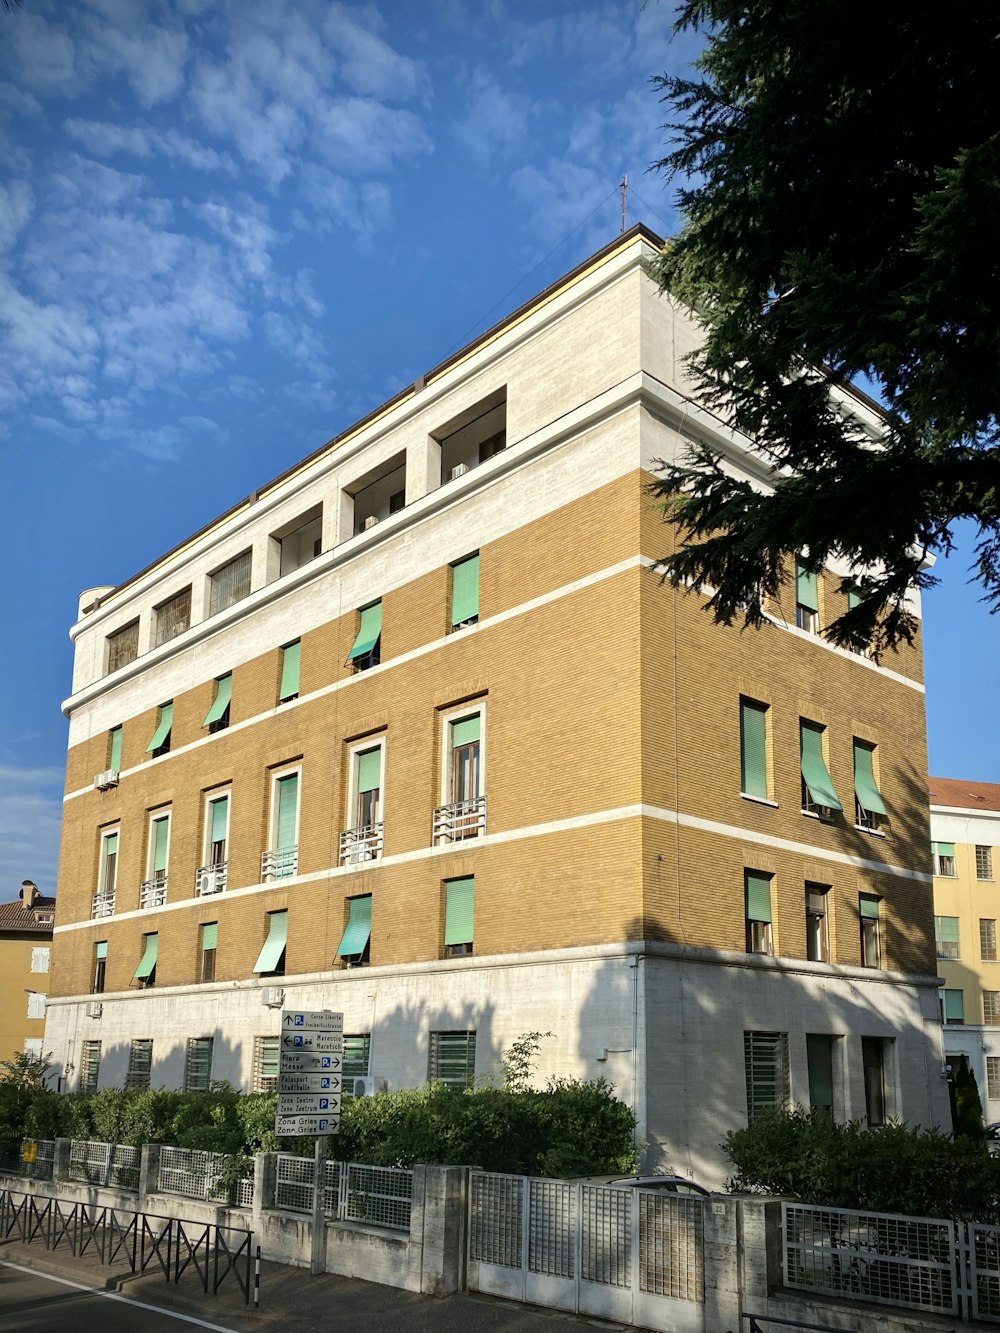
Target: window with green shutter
<point x="217" y="717"/>
<point x="753" y="749"/>
<point x="160" y="741"/>
<point x="271" y="959"/>
<point x="115" y="749"/>
<point x="946" y="936"/>
<point x="944" y="859"/>
<point x="145" y="973"/>
<point x="806" y="598"/>
<point x="365" y="650"/>
<point x="953" y="1004"/>
<point x="871" y="930"/>
<point x="282" y="860"/>
<point x="465" y="592"/>
<point x="818" y="795"/>
<point x="757" y="899"/>
<point x="289" y="687"/>
<point x="869" y="808"/>
<point x="460" y="897"/>
<point x="209" y="942"/>
<point x="355" y="942"/>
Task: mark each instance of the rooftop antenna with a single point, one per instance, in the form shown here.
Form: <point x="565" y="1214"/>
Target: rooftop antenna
<point x="624" y="189"/>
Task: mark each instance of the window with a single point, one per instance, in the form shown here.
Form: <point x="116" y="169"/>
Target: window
<point x="362" y="840"/>
<point x="107" y="874"/>
<point x="459" y="905"/>
<point x="806" y="599"/>
<point x="160" y="740"/>
<point x="817" y="931"/>
<point x="357" y="1055"/>
<point x="365" y="652"/>
<point x="172" y="618"/>
<point x="355" y="943"/>
<point x="946" y="936"/>
<point x="36" y="1004"/>
<point x="465" y="592"/>
<point x="944" y="859"/>
<point x="40" y="958"/>
<point x="987" y="940"/>
<point x="123" y="646"/>
<point x="266" y="1054"/>
<point x="757" y="894"/>
<point x="869" y="808"/>
<point x="953" y="1006"/>
<point x="859" y="642"/>
<point x="818" y="795"/>
<point x="198" y="1064"/>
<point x="145" y="973"/>
<point x="140" y="1062"/>
<point x="474" y="436"/>
<point x="765" y="1060"/>
<point x="282" y="859"/>
<point x="33" y="1048"/>
<point x="871" y="942"/>
<point x="753" y="749"/>
<point x="90" y="1066"/>
<point x="984" y="862"/>
<point x="819" y="1059"/>
<point x="100" y="962"/>
<point x="217" y="717"/>
<point x="379" y="494"/>
<point x="209" y="933"/>
<point x="873" y="1068"/>
<point x="993" y="1077"/>
<point x="301" y="543"/>
<point x="271" y="959"/>
<point x="115" y="749"/>
<point x="452" y="1058"/>
<point x="991" y="1008"/>
<point x="462" y="813"/>
<point x="211" y="877"/>
<point x="153" y="889"/>
<point x="229" y="584"/>
<point x="289" y="686"/>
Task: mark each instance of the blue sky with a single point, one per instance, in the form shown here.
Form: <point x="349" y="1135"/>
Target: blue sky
<point x="229" y="228"/>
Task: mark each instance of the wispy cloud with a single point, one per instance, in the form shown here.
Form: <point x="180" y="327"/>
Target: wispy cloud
<point x="30" y="818"/>
<point x="497" y="120"/>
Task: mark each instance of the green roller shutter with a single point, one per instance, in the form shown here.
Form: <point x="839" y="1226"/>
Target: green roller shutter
<point x="753" y="749"/>
<point x="465" y="732"/>
<point x="359" y="927"/>
<point x="465" y="590"/>
<point x="220" y="819"/>
<point x="946" y="929"/>
<point x="459" y="906"/>
<point x="819" y="1062"/>
<point x="758" y="896"/>
<point x="370" y="770"/>
<point x="148" y="960"/>
<point x="814" y="769"/>
<point x="805" y="587"/>
<point x="288" y="801"/>
<point x="868" y="906"/>
<point x="161" y="833"/>
<point x="102" y="949"/>
<point x="368" y="634"/>
<point x="162" y="728"/>
<point x="111" y="845"/>
<point x="210" y="935"/>
<point x="943" y="848"/>
<point x="223" y="694"/>
<point x="853" y="599"/>
<point x="869" y="796"/>
<point x="116" y="749"/>
<point x="954" y="1006"/>
<point x="289" y="671"/>
<point x="274" y="946"/>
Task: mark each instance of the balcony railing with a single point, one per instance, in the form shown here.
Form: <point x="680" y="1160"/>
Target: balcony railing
<point x="279" y="864"/>
<point x="461" y="819"/>
<point x="210" y="879"/>
<point x="103" y="904"/>
<point x="363" y="843"/>
<point x="153" y="892"/>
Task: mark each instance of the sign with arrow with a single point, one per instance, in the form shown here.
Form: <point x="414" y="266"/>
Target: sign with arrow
<point x="309" y="1061"/>
<point x="317" y="1020"/>
<point x="302" y="1040"/>
<point x="329" y="1084"/>
<point x="306" y="1124"/>
<point x="311" y="1104"/>
<point x="305" y="1062"/>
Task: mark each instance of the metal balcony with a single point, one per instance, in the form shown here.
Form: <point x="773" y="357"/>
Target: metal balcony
<point x="153" y="892"/>
<point x="461" y="819"/>
<point x="210" y="879"/>
<point x="103" y="904"/>
<point x="279" y="864"/>
<point x="363" y="843"/>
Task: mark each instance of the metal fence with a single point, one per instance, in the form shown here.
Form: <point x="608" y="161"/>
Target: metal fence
<point x="203" y="1175"/>
<point x="380" y="1195"/>
<point x="114" y="1164"/>
<point x="40" y="1169"/>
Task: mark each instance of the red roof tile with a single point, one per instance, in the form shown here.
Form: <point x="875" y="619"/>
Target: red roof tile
<point x="964" y="795"/>
<point x="15" y="916"/>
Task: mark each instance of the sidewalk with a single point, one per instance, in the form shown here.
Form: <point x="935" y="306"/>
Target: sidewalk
<point x="290" y="1298"/>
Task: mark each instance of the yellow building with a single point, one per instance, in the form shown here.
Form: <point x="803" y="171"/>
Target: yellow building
<point x="25" y="946"/>
<point x="965" y="833"/>
<point x="417" y="733"/>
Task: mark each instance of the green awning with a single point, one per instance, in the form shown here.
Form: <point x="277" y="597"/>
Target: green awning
<point x="465" y="590"/>
<point x="359" y="927"/>
<point x="753" y="750"/>
<point x="758" y="896"/>
<point x="943" y="848"/>
<point x="368" y="634"/>
<point x="289" y="671"/>
<point x="162" y="728"/>
<point x="102" y="949"/>
<point x="148" y="960"/>
<point x="814" y="770"/>
<point x="209" y="935"/>
<point x="869" y="796"/>
<point x="288" y="802"/>
<point x="464" y="732"/>
<point x="853" y="598"/>
<point x="116" y="749"/>
<point x="161" y="833"/>
<point x="805" y="587"/>
<point x="954" y="1007"/>
<point x="223" y="694"/>
<point x="370" y="770"/>
<point x="459" y="906"/>
<point x="868" y="906"/>
<point x="274" y="946"/>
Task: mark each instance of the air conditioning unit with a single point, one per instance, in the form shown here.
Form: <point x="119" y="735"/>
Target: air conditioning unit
<point x="94" y="1009"/>
<point x="272" y="996"/>
<point x="367" y="1087"/>
<point x="370" y="521"/>
<point x="109" y="778"/>
<point x="459" y="470"/>
<point x="209" y="881"/>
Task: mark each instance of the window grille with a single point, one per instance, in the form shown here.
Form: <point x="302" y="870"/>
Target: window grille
<point x="452" y="1058"/>
<point x="765" y="1056"/>
<point x="140" y="1063"/>
<point x="987" y="939"/>
<point x="357" y="1051"/>
<point x="991" y="1007"/>
<point x="173" y="617"/>
<point x="90" y="1066"/>
<point x="123" y="646"/>
<point x="993" y="1077"/>
<point x="198" y="1064"/>
<point x="265" y="1063"/>
<point x="230" y="583"/>
<point x="984" y="862"/>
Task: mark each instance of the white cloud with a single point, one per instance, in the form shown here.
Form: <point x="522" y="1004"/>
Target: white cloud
<point x="245" y="229"/>
<point x="106" y="139"/>
<point x="370" y="66"/>
<point x="44" y="56"/>
<point x="357" y="134"/>
<point x="30" y="821"/>
<point x="497" y="120"/>
<point x="17" y="202"/>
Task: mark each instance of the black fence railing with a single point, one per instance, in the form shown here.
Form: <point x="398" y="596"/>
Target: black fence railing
<point x="763" y="1323"/>
<point x="144" y="1241"/>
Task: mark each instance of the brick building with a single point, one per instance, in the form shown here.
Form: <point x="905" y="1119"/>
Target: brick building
<point x="415" y="732"/>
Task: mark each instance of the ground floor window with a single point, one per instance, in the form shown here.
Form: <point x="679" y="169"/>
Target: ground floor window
<point x="765" y="1058"/>
<point x="452" y="1058"/>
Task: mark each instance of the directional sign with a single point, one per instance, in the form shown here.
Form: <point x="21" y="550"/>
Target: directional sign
<point x="304" y="1062"/>
<point x="325" y="1083"/>
<point x="311" y="1104"/>
<point x="306" y="1124"/>
<point x="300" y="1040"/>
<point x="319" y="1020"/>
